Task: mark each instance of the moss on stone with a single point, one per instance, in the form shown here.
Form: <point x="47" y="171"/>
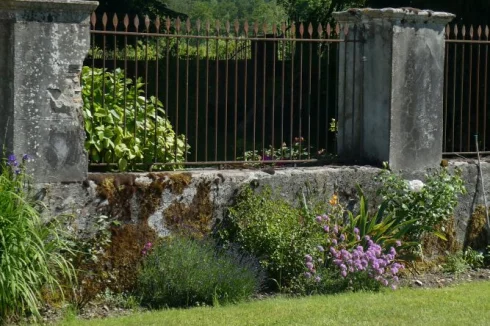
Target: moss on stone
<point x="476" y="234"/>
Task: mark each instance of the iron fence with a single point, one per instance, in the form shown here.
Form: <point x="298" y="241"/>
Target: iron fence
<point x="466" y="90"/>
<point x="229" y="93"/>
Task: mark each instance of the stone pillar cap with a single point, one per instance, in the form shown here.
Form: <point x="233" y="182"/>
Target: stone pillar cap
<point x="410" y="15"/>
<point x="52" y="5"/>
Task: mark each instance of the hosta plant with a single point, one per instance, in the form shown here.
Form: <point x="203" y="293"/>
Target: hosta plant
<point x="123" y="125"/>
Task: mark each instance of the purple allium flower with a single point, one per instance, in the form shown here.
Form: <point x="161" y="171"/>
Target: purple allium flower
<point x="318" y="219"/>
<point x="343" y="273"/>
<point x="384" y="282"/>
<point x="356" y="231"/>
<point x="326" y="228"/>
<point x="320" y="248"/>
<point x="398" y="243"/>
<point x="325" y="218"/>
<point x="358" y="237"/>
<point x="367" y="238"/>
<point x="308" y="258"/>
<point x="309" y="265"/>
<point x="342" y="237"/>
<point x="334" y="242"/>
<point x="335" y="229"/>
<point x="393" y="287"/>
<point x="307" y="275"/>
<point x="317" y="279"/>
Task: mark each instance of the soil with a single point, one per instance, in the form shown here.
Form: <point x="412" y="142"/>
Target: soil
<point x="440" y="279"/>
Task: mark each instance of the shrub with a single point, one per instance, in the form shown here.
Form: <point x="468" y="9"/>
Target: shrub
<point x="181" y="272"/>
<point x="431" y="204"/>
<point x="275" y="232"/>
<point x="30" y="250"/>
<point x="123" y="125"/>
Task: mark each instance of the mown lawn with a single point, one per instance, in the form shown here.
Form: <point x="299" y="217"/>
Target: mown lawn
<point x="467" y="304"/>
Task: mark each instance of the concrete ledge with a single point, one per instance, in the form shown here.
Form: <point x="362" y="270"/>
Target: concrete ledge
<point x="206" y="194"/>
<point x="410" y="15"/>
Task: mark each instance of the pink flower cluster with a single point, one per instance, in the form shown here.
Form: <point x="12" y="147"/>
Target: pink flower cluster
<point x="146" y="248"/>
<point x="378" y="265"/>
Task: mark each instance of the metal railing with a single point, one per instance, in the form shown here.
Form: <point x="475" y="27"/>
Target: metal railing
<point x="235" y="93"/>
<point x="466" y="90"/>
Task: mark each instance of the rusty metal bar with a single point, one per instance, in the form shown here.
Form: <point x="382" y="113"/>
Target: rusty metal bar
<point x="229" y="38"/>
<point x="166" y="72"/>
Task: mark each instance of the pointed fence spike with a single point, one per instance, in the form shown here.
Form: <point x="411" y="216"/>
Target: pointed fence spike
<point x="136" y="22"/>
<point x="93" y="19"/>
<point x="329" y="30"/>
<point x="310" y="30"/>
<point x="188" y="25"/>
<point x="157" y="24"/>
<point x="208" y="26"/>
<point x="126" y="21"/>
<point x="115" y="21"/>
<point x="346" y="30"/>
<point x="264" y="28"/>
<point x="487" y="31"/>
<point x="178" y="24"/>
<point x="236" y="26"/>
<point x="198" y="25"/>
<point x="104" y="20"/>
<point x="147" y="22"/>
<point x="471" y="31"/>
<point x="167" y="24"/>
<point x="479" y="32"/>
<point x="448" y="31"/>
<point x="320" y="30"/>
<point x="256" y="28"/>
<point x="227" y="27"/>
<point x="301" y="30"/>
<point x="246" y="27"/>
<point x="274" y="30"/>
<point x="456" y="31"/>
<point x="337" y="29"/>
<point x="463" y="31"/>
<point x="283" y="28"/>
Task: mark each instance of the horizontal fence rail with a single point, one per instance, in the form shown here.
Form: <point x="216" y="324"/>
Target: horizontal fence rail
<point x="466" y="90"/>
<point x="182" y="94"/>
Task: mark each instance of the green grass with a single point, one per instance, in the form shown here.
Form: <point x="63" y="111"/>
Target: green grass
<point x="467" y="304"/>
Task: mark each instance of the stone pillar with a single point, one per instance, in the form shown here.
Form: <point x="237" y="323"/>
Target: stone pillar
<point x="391" y="87"/>
<point x="42" y="47"/>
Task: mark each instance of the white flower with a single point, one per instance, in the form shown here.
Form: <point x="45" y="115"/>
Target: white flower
<point x="415" y="185"/>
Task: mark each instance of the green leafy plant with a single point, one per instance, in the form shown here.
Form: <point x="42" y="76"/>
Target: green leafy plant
<point x="123" y="125"/>
<point x="182" y="272"/>
<point x="275" y="232"/>
<point x="431" y="204"/>
<point x="31" y="250"/>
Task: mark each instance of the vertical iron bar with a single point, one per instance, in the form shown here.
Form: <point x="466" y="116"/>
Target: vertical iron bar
<point x="177" y="90"/>
<point x="291" y="118"/>
<point x="198" y="59"/>
<point x="309" y="92"/>
<point x="206" y="126"/>
<point x="187" y="89"/>
<point x="446" y="88"/>
<point x="147" y="24"/>
<point x="273" y="107"/>
<point x="461" y="100"/>
<point x="216" y="96"/>
<point x="226" y="93"/>
<point x="453" y="128"/>
<point x="235" y="129"/>
<point x="485" y="109"/>
<point x="300" y="129"/>
<point x="264" y="71"/>
<point x="255" y="93"/>
<point x="470" y="91"/>
<point x="157" y="89"/>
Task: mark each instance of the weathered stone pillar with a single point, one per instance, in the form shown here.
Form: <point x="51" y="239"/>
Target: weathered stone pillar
<point x="42" y="47"/>
<point x="391" y="87"/>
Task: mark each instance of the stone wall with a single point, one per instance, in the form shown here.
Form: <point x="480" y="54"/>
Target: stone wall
<point x="199" y="198"/>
